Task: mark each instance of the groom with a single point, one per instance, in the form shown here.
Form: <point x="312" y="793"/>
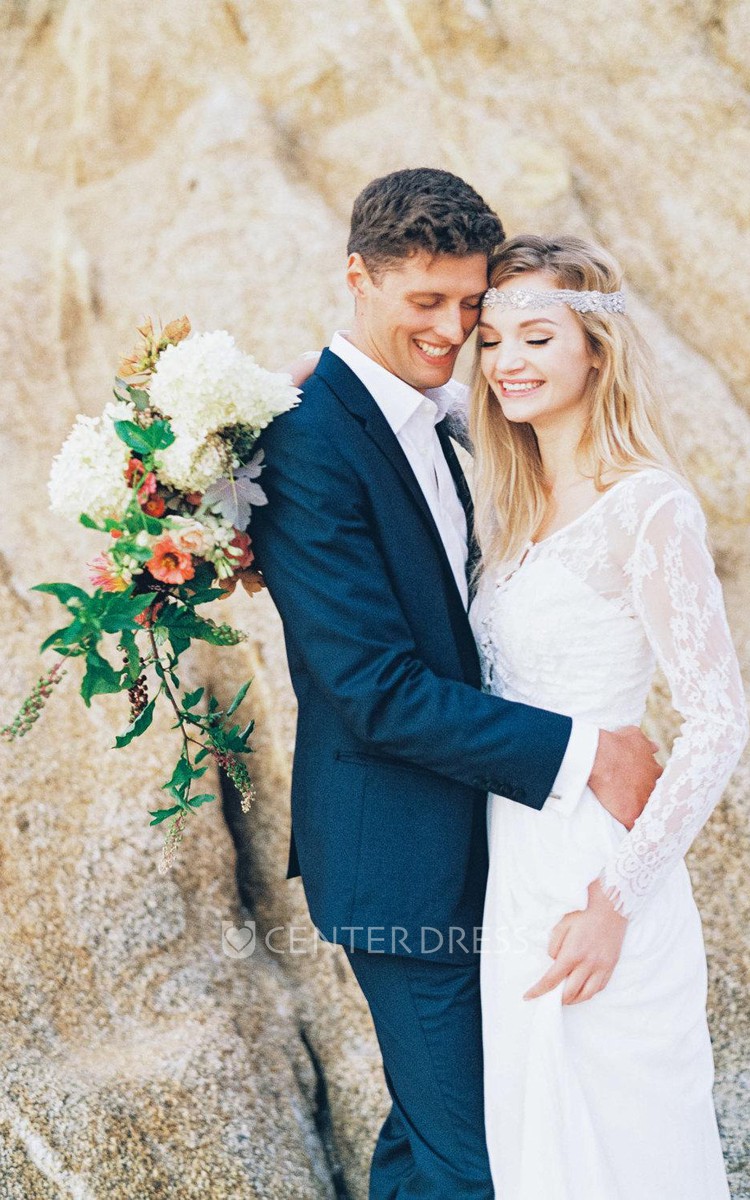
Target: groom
<point x="364" y="545"/>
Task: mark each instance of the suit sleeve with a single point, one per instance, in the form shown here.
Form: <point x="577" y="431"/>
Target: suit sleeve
<point x="315" y="546"/>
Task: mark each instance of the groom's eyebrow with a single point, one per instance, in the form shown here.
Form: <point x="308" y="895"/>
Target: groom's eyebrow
<point x="442" y="296"/>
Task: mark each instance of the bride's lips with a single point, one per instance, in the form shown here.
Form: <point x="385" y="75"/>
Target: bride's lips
<point x="512" y="388"/>
<point x="434" y="354"/>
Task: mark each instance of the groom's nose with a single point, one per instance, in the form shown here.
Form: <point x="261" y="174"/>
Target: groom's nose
<point x="452" y="325"/>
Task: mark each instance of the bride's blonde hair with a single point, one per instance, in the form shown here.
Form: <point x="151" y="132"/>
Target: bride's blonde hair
<point x="624" y="433"/>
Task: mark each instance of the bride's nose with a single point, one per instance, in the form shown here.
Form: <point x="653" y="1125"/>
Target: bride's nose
<point x="508" y="359"/>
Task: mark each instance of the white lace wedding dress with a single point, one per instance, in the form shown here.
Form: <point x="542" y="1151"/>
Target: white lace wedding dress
<point x="609" y="1099"/>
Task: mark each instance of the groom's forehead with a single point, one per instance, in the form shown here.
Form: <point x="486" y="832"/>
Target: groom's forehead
<point x="440" y="273"/>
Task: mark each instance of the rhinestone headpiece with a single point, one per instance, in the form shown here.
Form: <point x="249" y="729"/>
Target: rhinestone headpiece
<point x="606" y="302"/>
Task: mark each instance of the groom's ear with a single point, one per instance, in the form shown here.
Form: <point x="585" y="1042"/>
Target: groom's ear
<point x="358" y="278"/>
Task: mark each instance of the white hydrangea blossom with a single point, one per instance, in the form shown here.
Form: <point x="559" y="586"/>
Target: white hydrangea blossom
<point x="207" y="383"/>
<point x="88" y="475"/>
<point x="192" y="462"/>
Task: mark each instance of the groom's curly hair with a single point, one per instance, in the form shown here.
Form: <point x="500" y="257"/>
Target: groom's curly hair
<point x="420" y="209"/>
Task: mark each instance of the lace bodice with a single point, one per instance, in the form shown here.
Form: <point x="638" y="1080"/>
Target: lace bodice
<point x="577" y="623"/>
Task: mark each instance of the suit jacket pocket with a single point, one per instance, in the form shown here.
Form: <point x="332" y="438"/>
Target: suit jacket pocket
<point x="378" y="760"/>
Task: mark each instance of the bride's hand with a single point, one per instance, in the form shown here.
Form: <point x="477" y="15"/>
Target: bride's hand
<point x="302" y="368"/>
<point x="585" y="946"/>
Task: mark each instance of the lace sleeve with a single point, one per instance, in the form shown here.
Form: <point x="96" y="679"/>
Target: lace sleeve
<point x="453" y="397"/>
<point x="678" y="598"/>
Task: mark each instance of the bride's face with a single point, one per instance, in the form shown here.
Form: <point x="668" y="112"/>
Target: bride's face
<point x="537" y="361"/>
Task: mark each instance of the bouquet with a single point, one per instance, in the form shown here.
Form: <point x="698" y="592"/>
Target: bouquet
<point x="169" y="472"/>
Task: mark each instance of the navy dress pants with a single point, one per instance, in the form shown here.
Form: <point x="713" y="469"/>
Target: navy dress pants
<point x="427" y="1019"/>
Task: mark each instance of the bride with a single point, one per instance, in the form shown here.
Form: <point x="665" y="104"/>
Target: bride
<point x="594" y="569"/>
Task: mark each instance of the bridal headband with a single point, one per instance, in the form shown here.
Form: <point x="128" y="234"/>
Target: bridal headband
<point x="605" y="302"/>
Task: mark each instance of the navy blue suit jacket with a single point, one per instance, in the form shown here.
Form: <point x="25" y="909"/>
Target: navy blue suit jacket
<point x="396" y="744"/>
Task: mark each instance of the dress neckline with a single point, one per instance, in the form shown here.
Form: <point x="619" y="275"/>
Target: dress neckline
<point x="569" y="524"/>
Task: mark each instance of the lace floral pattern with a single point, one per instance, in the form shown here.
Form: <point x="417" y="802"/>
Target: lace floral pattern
<point x="577" y="624"/>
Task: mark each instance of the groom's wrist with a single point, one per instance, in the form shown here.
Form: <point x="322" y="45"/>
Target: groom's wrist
<point x="575" y="769"/>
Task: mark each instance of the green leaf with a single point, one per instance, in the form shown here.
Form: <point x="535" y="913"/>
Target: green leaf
<point x="182" y="776"/>
<point x="90" y="523"/>
<point x="133" y="436"/>
<point x="67" y="636"/>
<point x="179" y="644"/>
<point x="140" y="399"/>
<point x="204" y="595"/>
<point x="129" y="646"/>
<point x="161" y="431"/>
<point x="205" y="798"/>
<point x="156" y="436"/>
<point x="100" y="677"/>
<point x="239" y="698"/>
<point x="161" y="814"/>
<point x="139" y="726"/>
<point x="65" y="592"/>
<point x="121" y="611"/>
<point x="193" y="698"/>
<point x="204" y="753"/>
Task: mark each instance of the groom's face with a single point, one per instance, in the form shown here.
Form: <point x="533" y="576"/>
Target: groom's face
<point x="413" y="318"/>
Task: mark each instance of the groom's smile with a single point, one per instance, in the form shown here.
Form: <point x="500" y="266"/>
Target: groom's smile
<point x="414" y="316"/>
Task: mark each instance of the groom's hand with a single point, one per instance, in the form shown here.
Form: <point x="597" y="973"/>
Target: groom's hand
<point x="302" y="368"/>
<point x="585" y="946"/>
<point x="624" y="773"/>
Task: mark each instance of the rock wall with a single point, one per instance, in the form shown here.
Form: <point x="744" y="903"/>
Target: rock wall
<point x="202" y="158"/>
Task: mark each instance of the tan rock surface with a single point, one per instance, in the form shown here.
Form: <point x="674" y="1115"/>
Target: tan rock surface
<point x="203" y="158"/>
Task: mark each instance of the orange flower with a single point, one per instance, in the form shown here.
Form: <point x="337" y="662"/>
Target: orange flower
<point x="154" y="506"/>
<point x="144" y="357"/>
<point x="169" y="564"/>
<point x="150" y="615"/>
<point x="175" y="331"/>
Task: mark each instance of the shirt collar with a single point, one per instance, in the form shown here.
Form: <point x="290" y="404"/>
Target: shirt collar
<point x="397" y="400"/>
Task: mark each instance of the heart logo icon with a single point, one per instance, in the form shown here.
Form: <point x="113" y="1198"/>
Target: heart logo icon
<point x="238" y="941"/>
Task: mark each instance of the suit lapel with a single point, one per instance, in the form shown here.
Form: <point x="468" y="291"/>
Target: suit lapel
<point x="355" y="397"/>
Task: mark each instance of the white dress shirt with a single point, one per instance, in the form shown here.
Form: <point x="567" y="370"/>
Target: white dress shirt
<point x="413" y="416"/>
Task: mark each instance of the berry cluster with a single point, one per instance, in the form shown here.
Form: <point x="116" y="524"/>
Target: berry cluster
<point x="238" y="773"/>
<point x="32" y="706"/>
<point x="138" y="697"/>
<point x="172" y="841"/>
<point x="224" y="635"/>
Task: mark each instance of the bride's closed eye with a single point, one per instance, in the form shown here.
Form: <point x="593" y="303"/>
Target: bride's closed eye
<point x="529" y="342"/>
